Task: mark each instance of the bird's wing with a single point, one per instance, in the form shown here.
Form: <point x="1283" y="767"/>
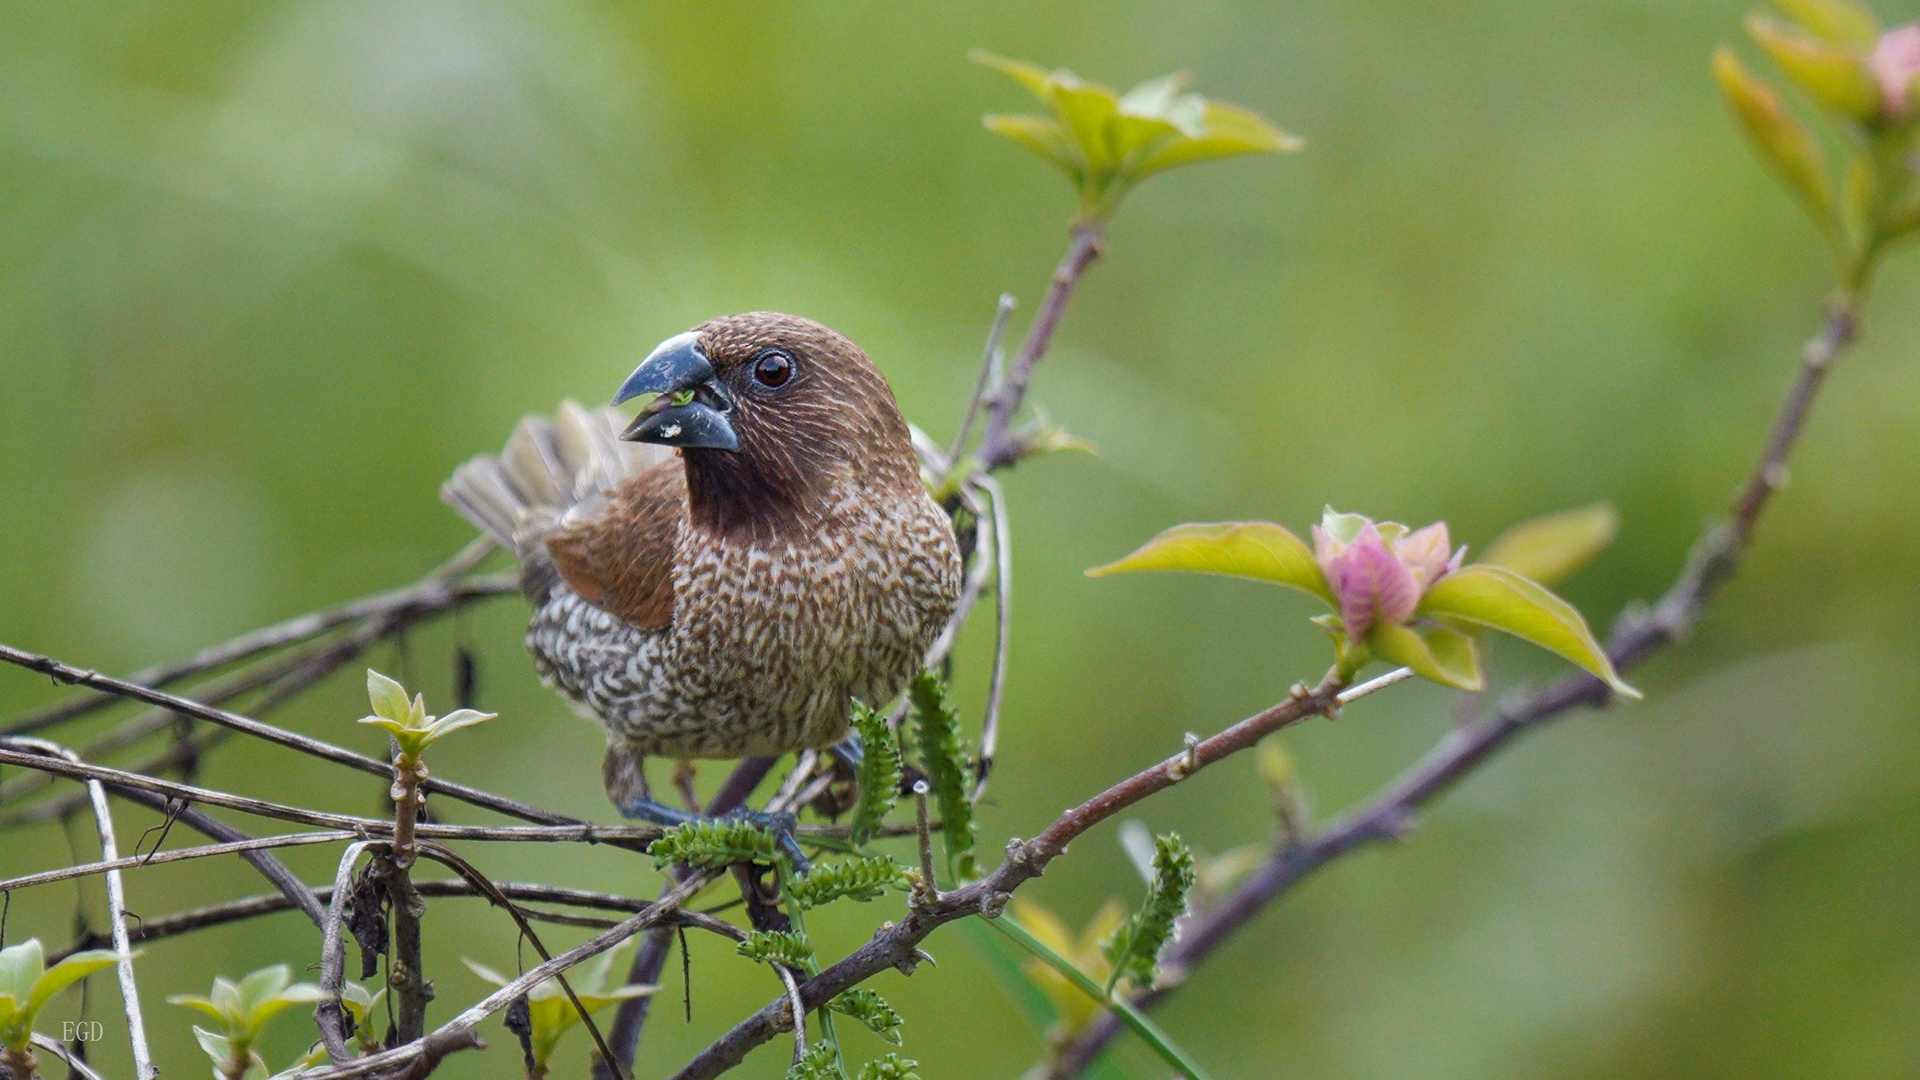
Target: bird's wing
<point x="616" y="550"/>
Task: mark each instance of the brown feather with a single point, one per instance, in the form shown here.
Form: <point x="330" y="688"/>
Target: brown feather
<point x="620" y="559"/>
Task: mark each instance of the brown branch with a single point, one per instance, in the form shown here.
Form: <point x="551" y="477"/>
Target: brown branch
<point x="896" y="945"/>
<point x="999" y="444"/>
<point x="443" y="590"/>
<point x="1389" y="813"/>
<point x="247" y="726"/>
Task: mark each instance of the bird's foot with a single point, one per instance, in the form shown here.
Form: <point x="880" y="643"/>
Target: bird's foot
<point x="782" y="825"/>
<point x="849" y="750"/>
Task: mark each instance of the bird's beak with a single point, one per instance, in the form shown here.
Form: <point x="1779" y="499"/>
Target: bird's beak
<point x="692" y="408"/>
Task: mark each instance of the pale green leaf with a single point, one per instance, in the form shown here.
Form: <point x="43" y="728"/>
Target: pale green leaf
<point x="1500" y="599"/>
<point x="1549" y="548"/>
<point x="485" y="972"/>
<point x="1251" y="549"/>
<point x="20" y="967"/>
<point x="297" y="994"/>
<point x="66" y="973"/>
<point x="1834" y="76"/>
<point x="1229" y="131"/>
<point x="454" y="721"/>
<point x="1087" y="110"/>
<point x="195" y="1001"/>
<point x="1442" y="655"/>
<point x="1042" y="136"/>
<point x="389" y="698"/>
<point x="1843" y="22"/>
<point x="260" y="986"/>
<point x="1785" y="142"/>
<point x="1032" y="76"/>
<point x="217" y="1047"/>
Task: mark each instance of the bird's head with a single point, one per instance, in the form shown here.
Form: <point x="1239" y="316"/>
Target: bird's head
<point x="770" y="412"/>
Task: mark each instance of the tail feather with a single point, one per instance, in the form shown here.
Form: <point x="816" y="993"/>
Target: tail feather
<point x="547" y="468"/>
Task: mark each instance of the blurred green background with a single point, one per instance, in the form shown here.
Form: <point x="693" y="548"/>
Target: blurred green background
<point x="268" y="271"/>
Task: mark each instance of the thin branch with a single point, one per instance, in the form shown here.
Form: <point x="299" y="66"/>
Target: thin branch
<point x="247" y="726"/>
<point x="112" y="867"/>
<point x="896" y="944"/>
<point x="252" y="907"/>
<point x="472" y="875"/>
<point x="1391" y="811"/>
<point x="989" y="364"/>
<point x="331" y="1015"/>
<point x="67" y="1057"/>
<point x="143" y="1067"/>
<point x="1002" y="626"/>
<point x="439" y="591"/>
<point x="419" y="1057"/>
<point x="999" y="446"/>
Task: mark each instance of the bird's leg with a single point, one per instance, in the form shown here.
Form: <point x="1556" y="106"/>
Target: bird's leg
<point x="644" y="808"/>
<point x="849" y="750"/>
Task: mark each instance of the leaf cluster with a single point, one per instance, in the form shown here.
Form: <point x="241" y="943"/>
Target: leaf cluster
<point x="880" y="771"/>
<point x="407" y="720"/>
<point x="789" y="947"/>
<point x="1857" y="179"/>
<point x="945" y="760"/>
<point x="550" y="1015"/>
<point x="1106" y="142"/>
<point x="862" y="878"/>
<point x="1133" y="952"/>
<point x="872" y="1010"/>
<point x="716" y="842"/>
<point x="1451" y="613"/>
<point x="242" y="1011"/>
<point x="27" y="984"/>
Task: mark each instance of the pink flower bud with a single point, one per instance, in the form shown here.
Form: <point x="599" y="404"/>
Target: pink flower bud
<point x="1896" y="60"/>
<point x="1379" y="572"/>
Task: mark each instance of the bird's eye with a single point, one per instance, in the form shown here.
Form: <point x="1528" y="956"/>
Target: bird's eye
<point x="773" y="369"/>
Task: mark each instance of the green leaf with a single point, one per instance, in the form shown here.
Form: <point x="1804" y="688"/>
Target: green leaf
<point x="821" y="1062"/>
<point x="66" y="973"/>
<point x="1251" y="549"/>
<point x="389" y="698"/>
<point x="1041" y="135"/>
<point x="454" y="721"/>
<point x="1834" y="76"/>
<point x="1784" y="141"/>
<point x="1032" y="76"/>
<point x="1502" y="600"/>
<point x="1086" y="110"/>
<point x="1134" y="949"/>
<point x="297" y="994"/>
<point x="1445" y="656"/>
<point x="943" y="757"/>
<point x="716" y="843"/>
<point x="1230" y="131"/>
<point x="259" y="987"/>
<point x="789" y="947"/>
<point x="879" y="773"/>
<point x="20" y="967"/>
<point x="891" y="1067"/>
<point x="861" y="878"/>
<point x="1549" y="548"/>
<point x="218" y="1047"/>
<point x="195" y="1001"/>
<point x="1843" y="22"/>
<point x="872" y="1010"/>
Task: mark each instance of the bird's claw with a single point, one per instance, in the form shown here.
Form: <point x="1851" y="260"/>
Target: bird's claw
<point x="782" y="826"/>
<point x="849" y="750"/>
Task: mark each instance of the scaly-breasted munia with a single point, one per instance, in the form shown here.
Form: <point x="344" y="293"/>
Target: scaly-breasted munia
<point x="733" y="598"/>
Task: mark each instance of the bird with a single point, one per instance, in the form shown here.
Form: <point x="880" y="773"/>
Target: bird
<point x="727" y="574"/>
